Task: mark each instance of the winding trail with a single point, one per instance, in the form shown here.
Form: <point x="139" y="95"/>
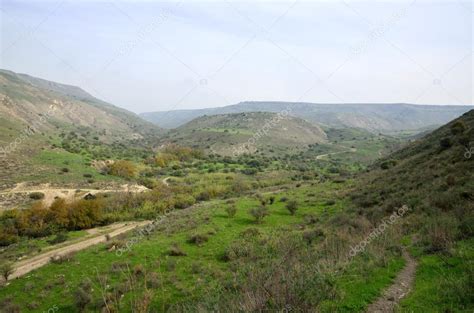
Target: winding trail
<point x="322" y="156"/>
<point x="398" y="290"/>
<point x="25" y="266"/>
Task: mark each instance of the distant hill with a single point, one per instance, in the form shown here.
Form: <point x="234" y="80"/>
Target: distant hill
<point x="233" y="134"/>
<point x="384" y="118"/>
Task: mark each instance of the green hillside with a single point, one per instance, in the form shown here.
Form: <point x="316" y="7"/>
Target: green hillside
<point x="40" y="117"/>
<point x="240" y="133"/>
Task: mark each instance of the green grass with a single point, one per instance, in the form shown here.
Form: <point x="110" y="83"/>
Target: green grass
<point x="361" y="285"/>
<point x="439" y="282"/>
<point x="49" y="165"/>
<point x="32" y="246"/>
<point x="183" y="282"/>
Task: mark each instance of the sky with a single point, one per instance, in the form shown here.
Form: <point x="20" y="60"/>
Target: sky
<point x="156" y="56"/>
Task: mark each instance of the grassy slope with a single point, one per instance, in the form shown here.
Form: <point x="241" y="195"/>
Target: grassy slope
<point x="223" y="133"/>
<point x="433" y="177"/>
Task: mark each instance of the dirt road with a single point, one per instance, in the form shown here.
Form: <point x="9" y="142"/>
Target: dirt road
<point x="69" y="194"/>
<point x="25" y="266"/>
<point x="322" y="156"/>
<point x="398" y="290"/>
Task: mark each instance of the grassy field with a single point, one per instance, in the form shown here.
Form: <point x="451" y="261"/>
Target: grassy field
<point x="58" y="166"/>
<point x="202" y="268"/>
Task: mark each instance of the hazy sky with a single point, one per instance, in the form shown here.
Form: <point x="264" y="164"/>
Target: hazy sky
<point x="152" y="56"/>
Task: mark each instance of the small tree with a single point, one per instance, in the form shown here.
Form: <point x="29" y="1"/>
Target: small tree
<point x="6" y="269"/>
<point x="292" y="206"/>
<point x="231" y="210"/>
<point x="259" y="213"/>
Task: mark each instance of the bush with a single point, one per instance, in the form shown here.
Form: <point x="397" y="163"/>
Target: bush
<point x="292" y="206"/>
<point x="198" y="239"/>
<point x="123" y="168"/>
<point x="6" y="269"/>
<point x="311" y="235"/>
<point x="445" y="143"/>
<point x="60" y="237"/>
<point x="175" y="250"/>
<point x="440" y="232"/>
<point x="458" y="128"/>
<point x="183" y="201"/>
<point x="65" y="170"/>
<point x="231" y="210"/>
<point x="83" y="295"/>
<point x="36" y="195"/>
<point x="259" y="213"/>
<point x="271" y="200"/>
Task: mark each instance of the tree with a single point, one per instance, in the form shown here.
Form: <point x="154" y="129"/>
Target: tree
<point x="292" y="206"/>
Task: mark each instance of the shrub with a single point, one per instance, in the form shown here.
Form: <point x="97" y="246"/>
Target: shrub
<point x="36" y="195"/>
<point x="440" y="233"/>
<point x="458" y="128"/>
<point x="175" y="250"/>
<point x="251" y="232"/>
<point x="385" y="165"/>
<point x="445" y="143"/>
<point x="182" y="201"/>
<point x="153" y="280"/>
<point x="271" y="200"/>
<point x="198" y="239"/>
<point x="231" y="210"/>
<point x="204" y="196"/>
<point x="60" y="237"/>
<point x="311" y="235"/>
<point x="6" y="269"/>
<point x="259" y="213"/>
<point x="65" y="170"/>
<point x="138" y="270"/>
<point x="83" y="295"/>
<point x="123" y="168"/>
<point x="292" y="206"/>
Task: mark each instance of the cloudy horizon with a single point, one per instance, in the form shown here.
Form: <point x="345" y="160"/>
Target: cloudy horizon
<point x="146" y="56"/>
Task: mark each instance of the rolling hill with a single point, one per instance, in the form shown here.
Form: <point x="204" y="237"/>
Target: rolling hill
<point x="24" y="99"/>
<point x="42" y="121"/>
<point x="234" y="134"/>
<point x="384" y="118"/>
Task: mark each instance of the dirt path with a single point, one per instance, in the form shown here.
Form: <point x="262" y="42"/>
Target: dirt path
<point x="25" y="266"/>
<point x="69" y="194"/>
<point x="399" y="289"/>
<point x="165" y="181"/>
<point x="322" y="156"/>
